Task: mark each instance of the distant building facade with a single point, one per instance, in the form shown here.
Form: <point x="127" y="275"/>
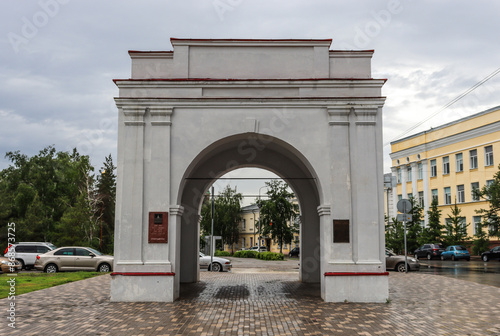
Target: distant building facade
<point x="249" y="233"/>
<point x="447" y="163"/>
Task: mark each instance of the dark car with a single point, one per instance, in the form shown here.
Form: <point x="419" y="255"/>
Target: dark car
<point x="294" y="252"/>
<point x="494" y="253"/>
<point x="429" y="251"/>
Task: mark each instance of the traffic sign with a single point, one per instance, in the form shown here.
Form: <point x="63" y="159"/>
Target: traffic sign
<point x="404" y="206"/>
<point x="404" y="217"/>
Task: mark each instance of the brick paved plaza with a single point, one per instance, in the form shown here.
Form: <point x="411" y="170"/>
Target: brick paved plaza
<point x="261" y="304"/>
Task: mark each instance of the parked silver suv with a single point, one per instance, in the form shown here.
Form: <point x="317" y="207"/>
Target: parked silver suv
<point x="26" y="252"/>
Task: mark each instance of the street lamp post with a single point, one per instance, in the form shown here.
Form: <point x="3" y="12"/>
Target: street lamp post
<point x="260" y="232"/>
<point x="102" y="205"/>
<point x="253" y="212"/>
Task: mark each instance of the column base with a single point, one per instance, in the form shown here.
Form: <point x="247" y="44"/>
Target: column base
<point x="142" y="287"/>
<point x="356" y="287"/>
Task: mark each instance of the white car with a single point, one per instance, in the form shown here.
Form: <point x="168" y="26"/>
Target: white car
<point x="218" y="265"/>
<point x="256" y="248"/>
<point x="26" y="253"/>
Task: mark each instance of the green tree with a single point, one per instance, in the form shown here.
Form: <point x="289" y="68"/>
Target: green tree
<point x="480" y="241"/>
<point x="414" y="227"/>
<point x="491" y="216"/>
<point x="105" y="212"/>
<point x="456" y="227"/>
<point x="41" y="190"/>
<point x="226" y="216"/>
<point x="394" y="236"/>
<point x="434" y="231"/>
<point x="277" y="213"/>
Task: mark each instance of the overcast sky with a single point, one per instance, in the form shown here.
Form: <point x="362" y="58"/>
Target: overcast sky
<point x="58" y="58"/>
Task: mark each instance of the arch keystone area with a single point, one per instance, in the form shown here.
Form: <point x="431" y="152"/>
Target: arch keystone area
<point x="310" y="114"/>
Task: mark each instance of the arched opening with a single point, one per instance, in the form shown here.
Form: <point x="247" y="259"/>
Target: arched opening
<point x="250" y="150"/>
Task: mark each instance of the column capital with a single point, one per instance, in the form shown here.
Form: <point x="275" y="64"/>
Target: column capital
<point x="339" y="115"/>
<point x="160" y="116"/>
<point x="366" y="115"/>
<point x="133" y="115"/>
<point x="324" y="210"/>
<point x="176" y="210"/>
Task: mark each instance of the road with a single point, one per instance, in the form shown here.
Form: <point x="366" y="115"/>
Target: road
<point x="486" y="273"/>
<point x="474" y="270"/>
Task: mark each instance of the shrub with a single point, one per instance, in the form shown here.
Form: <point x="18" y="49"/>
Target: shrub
<point x="222" y="254"/>
<point x="270" y="256"/>
<point x="245" y="254"/>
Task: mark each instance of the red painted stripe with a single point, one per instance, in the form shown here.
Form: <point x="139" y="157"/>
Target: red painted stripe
<point x="150" y="51"/>
<point x="356" y="273"/>
<point x="241" y="79"/>
<point x="252" y="40"/>
<point x="143" y="273"/>
<point x="358" y="51"/>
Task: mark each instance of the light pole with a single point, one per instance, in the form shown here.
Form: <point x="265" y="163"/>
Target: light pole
<point x="253" y="212"/>
<point x="102" y="205"/>
<point x="259" y="218"/>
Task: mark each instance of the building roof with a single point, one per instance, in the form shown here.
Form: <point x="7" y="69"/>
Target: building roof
<point x="250" y="208"/>
<point x="432" y="129"/>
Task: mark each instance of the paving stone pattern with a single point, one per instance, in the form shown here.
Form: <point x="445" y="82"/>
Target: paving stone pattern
<point x="261" y="304"/>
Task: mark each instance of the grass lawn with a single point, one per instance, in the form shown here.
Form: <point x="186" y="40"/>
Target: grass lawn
<point x="29" y="282"/>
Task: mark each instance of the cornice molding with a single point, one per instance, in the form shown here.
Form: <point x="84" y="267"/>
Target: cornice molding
<point x="450" y="140"/>
<point x="297" y="102"/>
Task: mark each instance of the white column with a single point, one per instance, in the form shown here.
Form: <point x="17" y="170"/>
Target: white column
<point x="129" y="213"/>
<point x="414" y="179"/>
<point x="174" y="232"/>
<point x="394" y="194"/>
<point x="341" y="188"/>
<point x="367" y="189"/>
<point x="427" y="198"/>
<point x="157" y="183"/>
<point x="404" y="178"/>
<point x="326" y="241"/>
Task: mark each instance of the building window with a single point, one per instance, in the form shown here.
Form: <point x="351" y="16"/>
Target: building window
<point x="243" y="242"/>
<point x="473" y="158"/>
<point x="488" y="183"/>
<point x="433" y="168"/>
<point x="251" y="241"/>
<point x="398" y="172"/>
<point x="400" y="197"/>
<point x="421" y="198"/>
<point x="446" y="165"/>
<point x="410" y="195"/>
<point x="476" y="222"/>
<point x="420" y="169"/>
<point x="460" y="193"/>
<point x="459" y="162"/>
<point x="463" y="222"/>
<point x="447" y="195"/>
<point x="474" y="186"/>
<point x="488" y="156"/>
<point x="434" y="195"/>
<point x="408" y="174"/>
<point x="244" y="224"/>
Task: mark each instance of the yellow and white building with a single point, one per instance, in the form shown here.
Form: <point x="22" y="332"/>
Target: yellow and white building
<point x="249" y="233"/>
<point x="447" y="163"/>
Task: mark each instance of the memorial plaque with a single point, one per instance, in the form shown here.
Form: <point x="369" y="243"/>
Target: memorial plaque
<point x="158" y="227"/>
<point x="341" y="231"/>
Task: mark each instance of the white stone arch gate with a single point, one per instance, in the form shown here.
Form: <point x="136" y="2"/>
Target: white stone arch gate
<point x="310" y="114"/>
